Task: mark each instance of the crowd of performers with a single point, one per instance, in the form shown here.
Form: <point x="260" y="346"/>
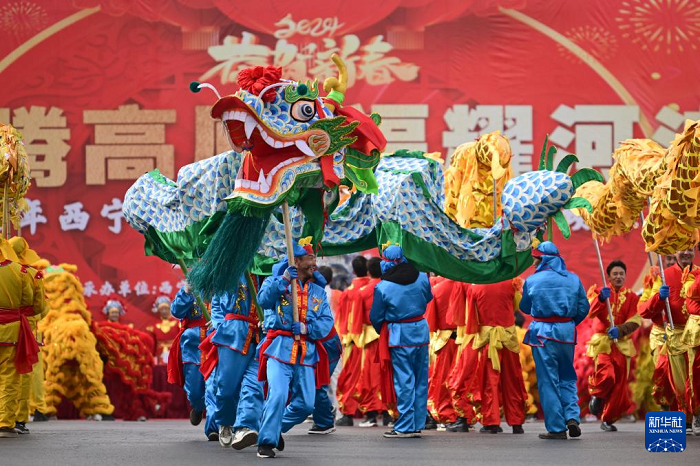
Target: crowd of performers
<point x="410" y="351"/>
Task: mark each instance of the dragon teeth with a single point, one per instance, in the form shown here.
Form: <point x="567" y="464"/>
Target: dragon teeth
<point x="250" y="125"/>
<point x="304" y="148"/>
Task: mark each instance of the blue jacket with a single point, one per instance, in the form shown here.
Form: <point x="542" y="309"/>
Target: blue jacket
<point x="234" y="333"/>
<point x="279" y="316"/>
<point x="393" y="302"/>
<point x="548" y="293"/>
<point x="184" y="306"/>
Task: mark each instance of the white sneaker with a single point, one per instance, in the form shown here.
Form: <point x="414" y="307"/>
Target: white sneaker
<point x="696" y="425"/>
<point x="225" y="436"/>
<point x="371" y="422"/>
<point x="244" y="438"/>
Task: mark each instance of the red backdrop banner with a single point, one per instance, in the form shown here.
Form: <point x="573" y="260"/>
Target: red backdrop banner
<point x="100" y="90"/>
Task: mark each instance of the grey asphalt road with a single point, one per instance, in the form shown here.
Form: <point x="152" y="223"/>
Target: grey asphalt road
<point x="173" y="443"/>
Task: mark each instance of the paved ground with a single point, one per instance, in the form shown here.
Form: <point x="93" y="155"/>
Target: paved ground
<point x="171" y="443"/>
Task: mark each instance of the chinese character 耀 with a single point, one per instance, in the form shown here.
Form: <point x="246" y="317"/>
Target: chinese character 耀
<point x="73" y="217"/>
<point x="468" y="124"/>
<point x="598" y="129"/>
<point x="114" y="213"/>
<point x="45" y="136"/>
<point x="128" y="143"/>
<point x="32" y="217"/>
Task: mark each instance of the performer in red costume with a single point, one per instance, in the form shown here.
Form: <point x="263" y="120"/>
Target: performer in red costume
<point x="368" y="387"/>
<point x="465" y="362"/>
<point x="672" y="367"/>
<point x="444" y="347"/>
<point x="611" y="347"/>
<point x="165" y="331"/>
<point x="498" y="379"/>
<point x="352" y="354"/>
<point x="691" y="338"/>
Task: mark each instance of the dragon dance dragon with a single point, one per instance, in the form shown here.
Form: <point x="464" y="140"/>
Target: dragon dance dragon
<point x="289" y="144"/>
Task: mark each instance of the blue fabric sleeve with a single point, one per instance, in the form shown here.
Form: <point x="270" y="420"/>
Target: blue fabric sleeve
<point x="582" y="304"/>
<point x="270" y="292"/>
<point x="319" y="324"/>
<point x="377" y="315"/>
<point x="182" y="304"/>
<point x="526" y="301"/>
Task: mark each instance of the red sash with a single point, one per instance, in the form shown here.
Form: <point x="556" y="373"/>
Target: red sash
<point x="554" y="320"/>
<point x="27" y="349"/>
<point x="175" y="372"/>
<point x="321" y="370"/>
<point x="386" y="385"/>
<point x="209" y="357"/>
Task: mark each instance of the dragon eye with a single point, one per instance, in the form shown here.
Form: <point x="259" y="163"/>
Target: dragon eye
<point x="303" y="110"/>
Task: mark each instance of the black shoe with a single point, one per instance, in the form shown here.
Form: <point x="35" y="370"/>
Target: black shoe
<point x="386" y="418"/>
<point x="370" y="419"/>
<point x="213" y="436"/>
<point x="107" y="417"/>
<point x="8" y="432"/>
<point x="574" y="428"/>
<point x="40" y="417"/>
<point x="518" y="429"/>
<point x="595" y="406"/>
<point x="460" y="425"/>
<point x="265" y="451"/>
<point x="280" y="444"/>
<point x="21" y="428"/>
<point x="430" y="423"/>
<point x="345" y="421"/>
<point x="608" y="427"/>
<point x="395" y="434"/>
<point x="553" y="436"/>
<point x="316" y="430"/>
<point x="489" y="430"/>
<point x="195" y="417"/>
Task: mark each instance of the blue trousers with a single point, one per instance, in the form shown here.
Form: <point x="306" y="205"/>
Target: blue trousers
<point x="252" y="399"/>
<point x="231" y="371"/>
<point x="323" y="406"/>
<point x="411" y="385"/>
<point x="556" y="383"/>
<point x="282" y="380"/>
<point x="194" y="386"/>
<point x="210" y="424"/>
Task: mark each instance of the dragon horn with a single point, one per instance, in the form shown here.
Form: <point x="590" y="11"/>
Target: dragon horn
<point x="336" y="87"/>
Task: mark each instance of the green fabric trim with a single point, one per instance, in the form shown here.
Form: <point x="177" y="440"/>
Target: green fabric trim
<point x="431" y="258"/>
<point x="585" y="175"/>
<point x="157" y="176"/>
<point x="579" y="203"/>
<point x="337" y="96"/>
<point x="566" y="163"/>
<point x="188" y="244"/>
<point x="363" y="179"/>
<point x="364" y="243"/>
<point x="562" y="224"/>
<point x="543" y="154"/>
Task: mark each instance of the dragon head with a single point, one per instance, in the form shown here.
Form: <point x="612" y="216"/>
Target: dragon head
<point x="289" y="135"/>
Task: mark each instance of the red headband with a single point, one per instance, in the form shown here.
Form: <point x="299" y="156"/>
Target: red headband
<point x="537" y="253"/>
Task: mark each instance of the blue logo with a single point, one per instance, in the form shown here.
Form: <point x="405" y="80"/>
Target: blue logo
<point x="665" y="432"/>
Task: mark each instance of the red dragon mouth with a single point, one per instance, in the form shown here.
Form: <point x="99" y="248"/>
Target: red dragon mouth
<point x="267" y="152"/>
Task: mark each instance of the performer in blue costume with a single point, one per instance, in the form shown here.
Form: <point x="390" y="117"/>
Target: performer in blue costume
<point x="231" y="359"/>
<point x="324" y="414"/>
<point x="557" y="302"/>
<point x="184" y="360"/>
<point x="289" y="365"/>
<point x="400" y="300"/>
